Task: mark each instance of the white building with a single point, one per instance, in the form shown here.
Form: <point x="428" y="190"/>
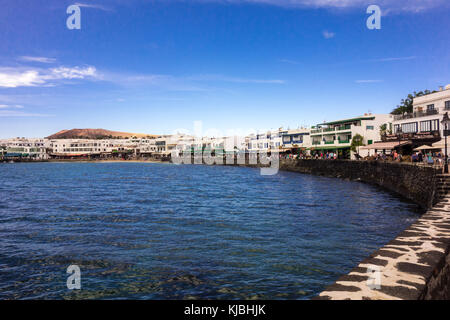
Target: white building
<point x="33" y="148"/>
<point x="296" y="138"/>
<point x="336" y="136"/>
<point x="265" y="142"/>
<point x="104" y="147"/>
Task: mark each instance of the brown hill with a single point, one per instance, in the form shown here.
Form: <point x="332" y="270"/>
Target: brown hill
<point x="96" y="134"/>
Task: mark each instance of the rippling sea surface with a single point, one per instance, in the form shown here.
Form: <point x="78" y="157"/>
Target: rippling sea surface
<point x="162" y="231"/>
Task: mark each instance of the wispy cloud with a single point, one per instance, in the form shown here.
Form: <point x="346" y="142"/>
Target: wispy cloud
<point x="37" y="59"/>
<point x="72" y="73"/>
<point x="328" y="35"/>
<point x="214" y="77"/>
<point x="14" y="113"/>
<point x="15" y="106"/>
<point x="29" y="77"/>
<point x="368" y="81"/>
<point x="392" y="59"/>
<point x="193" y="83"/>
<point x="93" y="6"/>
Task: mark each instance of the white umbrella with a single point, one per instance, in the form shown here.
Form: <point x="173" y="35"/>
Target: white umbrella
<point x="438" y="145"/>
<point x="424" y="147"/>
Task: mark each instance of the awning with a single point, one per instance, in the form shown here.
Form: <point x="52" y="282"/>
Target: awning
<point x="327" y="148"/>
<point x="14" y="154"/>
<point x="385" y="145"/>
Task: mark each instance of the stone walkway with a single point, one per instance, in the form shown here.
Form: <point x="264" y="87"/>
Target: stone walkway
<point x="412" y="266"/>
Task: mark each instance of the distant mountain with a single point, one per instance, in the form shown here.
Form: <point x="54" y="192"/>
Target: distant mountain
<point x="96" y="134"/>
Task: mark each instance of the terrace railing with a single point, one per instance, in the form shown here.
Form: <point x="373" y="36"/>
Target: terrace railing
<point x="416" y="114"/>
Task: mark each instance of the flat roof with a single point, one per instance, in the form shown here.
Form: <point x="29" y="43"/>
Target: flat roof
<point x="347" y="120"/>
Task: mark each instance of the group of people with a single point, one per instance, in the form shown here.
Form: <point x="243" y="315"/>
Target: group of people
<point x="326" y="156"/>
<point x="428" y="158"/>
<point x="417" y="157"/>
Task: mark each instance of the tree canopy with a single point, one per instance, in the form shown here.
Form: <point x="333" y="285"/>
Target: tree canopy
<point x="357" y="141"/>
<point x="406" y="105"/>
<point x="384" y="130"/>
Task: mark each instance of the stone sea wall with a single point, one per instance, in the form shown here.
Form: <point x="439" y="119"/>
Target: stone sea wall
<point x="416" y="183"/>
<point x="416" y="264"/>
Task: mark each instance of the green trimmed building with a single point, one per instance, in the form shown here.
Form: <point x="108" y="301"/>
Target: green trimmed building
<point x="336" y="136"/>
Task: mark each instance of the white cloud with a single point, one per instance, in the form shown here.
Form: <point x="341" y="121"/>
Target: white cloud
<point x="328" y="35"/>
<point x="21" y="77"/>
<point x="12" y="79"/>
<point x="385" y="5"/>
<point x="37" y="59"/>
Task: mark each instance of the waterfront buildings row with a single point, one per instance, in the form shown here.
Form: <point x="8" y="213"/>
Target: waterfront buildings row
<point x="379" y="132"/>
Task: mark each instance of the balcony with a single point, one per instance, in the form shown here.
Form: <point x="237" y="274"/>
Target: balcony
<point x="316" y="143"/>
<point x="344" y="141"/>
<point x="329" y="142"/>
<point x="417" y="114"/>
<point x="344" y="127"/>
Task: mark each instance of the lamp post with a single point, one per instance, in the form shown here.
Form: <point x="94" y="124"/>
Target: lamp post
<point x="445" y="122"/>
<point x="399" y="134"/>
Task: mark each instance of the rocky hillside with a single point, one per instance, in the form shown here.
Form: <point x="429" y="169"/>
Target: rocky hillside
<point x="96" y="134"/>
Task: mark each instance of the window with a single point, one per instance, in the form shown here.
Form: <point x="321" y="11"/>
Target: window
<point x="370" y="142"/>
<point x="407" y="127"/>
<point x="430" y="125"/>
<point x="430" y="107"/>
<point x="447" y="105"/>
<point x="370" y="127"/>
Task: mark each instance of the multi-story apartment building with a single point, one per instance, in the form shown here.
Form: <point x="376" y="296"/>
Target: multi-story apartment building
<point x="424" y="123"/>
<point x="98" y="148"/>
<point x="265" y="142"/>
<point x="336" y="136"/>
<point x="296" y="139"/>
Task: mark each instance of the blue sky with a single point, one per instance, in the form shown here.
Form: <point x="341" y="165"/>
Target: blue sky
<point x="156" y="66"/>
